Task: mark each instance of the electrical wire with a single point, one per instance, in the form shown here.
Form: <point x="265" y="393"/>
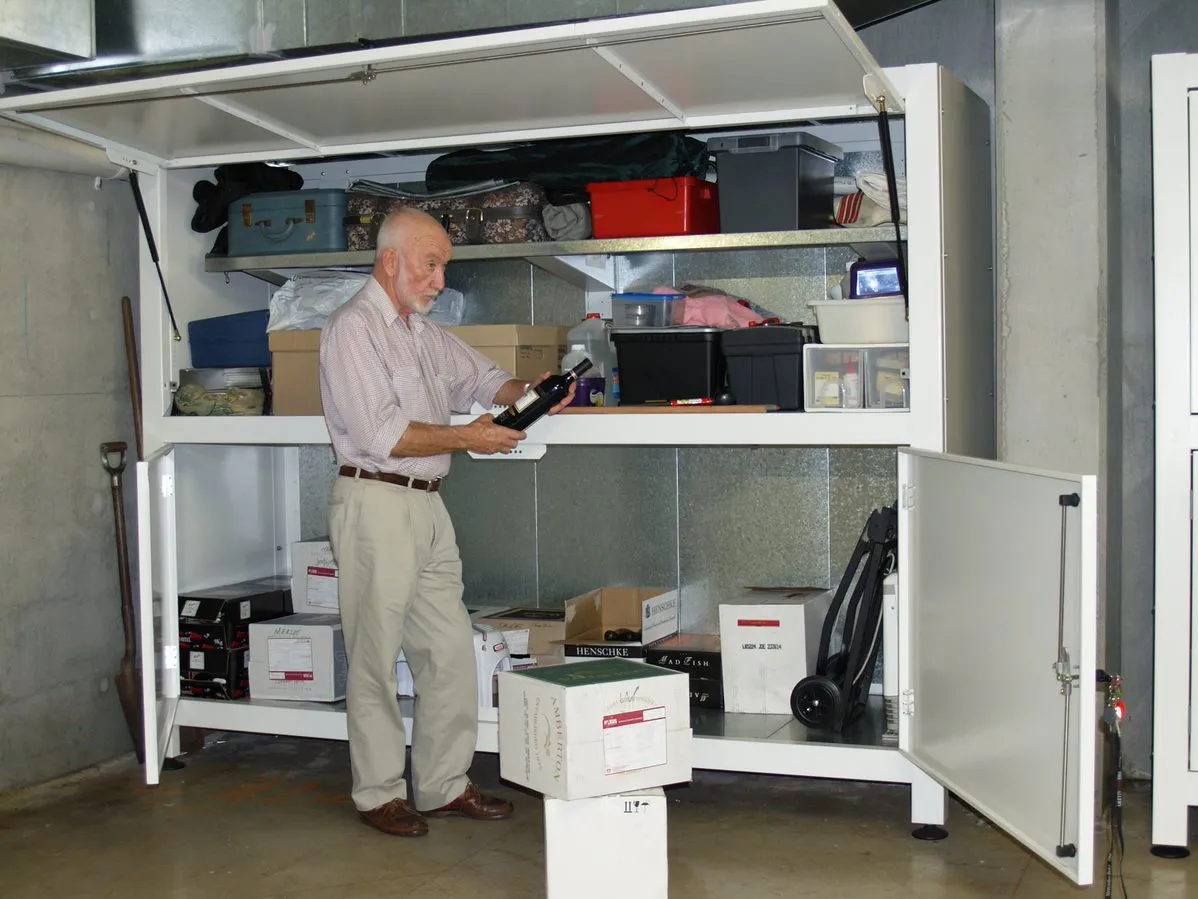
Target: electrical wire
<point x="1115" y="844"/>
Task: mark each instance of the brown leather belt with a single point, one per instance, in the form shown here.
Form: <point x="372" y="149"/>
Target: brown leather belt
<point x="348" y="471"/>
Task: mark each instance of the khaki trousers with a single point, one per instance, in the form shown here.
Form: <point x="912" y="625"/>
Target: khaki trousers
<point x="400" y="587"/>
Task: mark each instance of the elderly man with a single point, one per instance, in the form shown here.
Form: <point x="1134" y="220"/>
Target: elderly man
<point x="389" y="379"/>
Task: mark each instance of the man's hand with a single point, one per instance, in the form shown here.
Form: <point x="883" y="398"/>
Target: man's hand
<point x="565" y="402"/>
<point x="487" y="438"/>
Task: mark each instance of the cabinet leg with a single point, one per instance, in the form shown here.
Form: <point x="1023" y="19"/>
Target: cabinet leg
<point x="171" y="762"/>
<point x="929" y="808"/>
<point x="1170" y="820"/>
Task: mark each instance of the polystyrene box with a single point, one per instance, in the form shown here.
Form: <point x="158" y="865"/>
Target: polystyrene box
<point x="832" y="378"/>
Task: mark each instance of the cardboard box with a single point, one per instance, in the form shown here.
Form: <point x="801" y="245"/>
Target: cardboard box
<point x="651" y="610"/>
<point x="295" y="372"/>
<point x="543" y="630"/>
<point x="769" y="642"/>
<point x="214" y="673"/>
<point x="524" y="351"/>
<point x="625" y="832"/>
<point x="299" y="657"/>
<point x="594" y="728"/>
<point x="219" y="617"/>
<point x="314" y="578"/>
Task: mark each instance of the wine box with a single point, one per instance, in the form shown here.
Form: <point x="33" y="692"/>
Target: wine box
<point x="627" y="830"/>
<point x="651" y="612"/>
<point x="595" y="728"/>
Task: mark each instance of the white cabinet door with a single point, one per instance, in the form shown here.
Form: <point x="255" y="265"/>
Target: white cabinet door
<point x="1192" y="637"/>
<point x="158" y="605"/>
<point x="1193" y="232"/>
<point x="998" y="592"/>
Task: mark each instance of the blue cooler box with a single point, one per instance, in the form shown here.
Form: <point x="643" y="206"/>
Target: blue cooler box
<point x="287" y="221"/>
<point x="230" y="341"/>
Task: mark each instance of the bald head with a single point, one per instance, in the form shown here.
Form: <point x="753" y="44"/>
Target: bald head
<point x="403" y="226"/>
<point x="410" y="258"/>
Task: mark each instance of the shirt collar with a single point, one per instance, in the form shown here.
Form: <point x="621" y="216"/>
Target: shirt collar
<point x="377" y="297"/>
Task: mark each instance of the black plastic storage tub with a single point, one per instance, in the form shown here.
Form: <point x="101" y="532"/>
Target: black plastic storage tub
<point x="657" y="365"/>
<point x="765" y="364"/>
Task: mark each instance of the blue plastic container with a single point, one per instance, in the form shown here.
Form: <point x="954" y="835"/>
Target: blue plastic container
<point x="230" y="341"/>
<point x="288" y="221"/>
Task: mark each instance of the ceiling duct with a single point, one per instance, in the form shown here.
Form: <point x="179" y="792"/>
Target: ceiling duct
<point x="35" y="32"/>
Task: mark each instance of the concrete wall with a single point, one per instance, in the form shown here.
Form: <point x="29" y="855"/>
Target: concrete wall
<point x="67" y="255"/>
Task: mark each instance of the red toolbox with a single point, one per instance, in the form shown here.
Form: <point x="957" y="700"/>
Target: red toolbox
<point x="659" y="207"/>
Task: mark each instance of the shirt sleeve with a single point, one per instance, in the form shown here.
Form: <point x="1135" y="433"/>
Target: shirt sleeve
<point x="355" y="382"/>
<point x="475" y="377"/>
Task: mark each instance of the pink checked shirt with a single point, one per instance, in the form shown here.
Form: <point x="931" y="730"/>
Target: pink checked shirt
<point x="377" y="375"/>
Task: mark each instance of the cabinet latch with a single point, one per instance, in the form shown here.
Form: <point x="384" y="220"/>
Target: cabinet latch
<point x="907" y="703"/>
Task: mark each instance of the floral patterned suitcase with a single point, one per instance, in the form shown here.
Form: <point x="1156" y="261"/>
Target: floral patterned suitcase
<point x="510" y="214"/>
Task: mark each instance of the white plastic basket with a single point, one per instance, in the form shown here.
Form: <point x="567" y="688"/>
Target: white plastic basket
<point x="865" y="321"/>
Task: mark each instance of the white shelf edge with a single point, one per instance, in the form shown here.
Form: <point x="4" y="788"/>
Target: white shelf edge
<point x="763" y="755"/>
<point x="613" y="429"/>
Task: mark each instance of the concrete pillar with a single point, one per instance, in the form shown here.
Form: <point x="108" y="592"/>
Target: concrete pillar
<point x="1057" y="199"/>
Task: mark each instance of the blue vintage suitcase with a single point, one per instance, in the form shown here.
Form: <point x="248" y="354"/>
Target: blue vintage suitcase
<point x="230" y="341"/>
<point x="289" y="221"/>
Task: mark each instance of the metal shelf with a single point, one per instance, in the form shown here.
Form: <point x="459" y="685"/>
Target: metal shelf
<point x="267" y="267"/>
<point x="764" y="744"/>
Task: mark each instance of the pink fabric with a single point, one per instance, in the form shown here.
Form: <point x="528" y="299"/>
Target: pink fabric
<point x="717" y="312"/>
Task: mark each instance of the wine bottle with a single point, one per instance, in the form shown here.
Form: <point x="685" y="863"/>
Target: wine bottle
<point x="540" y="399"/>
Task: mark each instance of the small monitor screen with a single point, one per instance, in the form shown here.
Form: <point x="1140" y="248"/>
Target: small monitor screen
<point x="876" y="281"/>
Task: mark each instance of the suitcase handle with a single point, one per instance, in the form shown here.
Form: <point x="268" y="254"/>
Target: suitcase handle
<point x="278" y="236"/>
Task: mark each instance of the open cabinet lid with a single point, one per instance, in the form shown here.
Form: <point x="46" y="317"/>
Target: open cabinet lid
<point x="769" y="60"/>
<point x="980" y="581"/>
<point x="158" y="598"/>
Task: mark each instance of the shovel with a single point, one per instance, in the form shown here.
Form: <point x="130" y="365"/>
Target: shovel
<point x="128" y="687"/>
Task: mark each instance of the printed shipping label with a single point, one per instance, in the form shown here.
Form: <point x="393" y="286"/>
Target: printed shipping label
<point x="245" y="609"/>
<point x="634" y="740"/>
<point x="289" y="658"/>
<point x="322" y="587"/>
<point x="190" y="607"/>
<point x="196" y="661"/>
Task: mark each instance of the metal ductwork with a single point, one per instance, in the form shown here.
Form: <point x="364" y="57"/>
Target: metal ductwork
<point x="34" y="32"/>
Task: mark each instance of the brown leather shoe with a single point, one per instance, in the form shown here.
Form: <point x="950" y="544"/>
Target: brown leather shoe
<point x="396" y="818"/>
<point x="473" y="804"/>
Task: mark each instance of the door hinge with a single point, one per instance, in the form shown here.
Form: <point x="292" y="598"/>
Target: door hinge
<point x="168" y="485"/>
<point x="908" y="496"/>
<point x="907" y="702"/>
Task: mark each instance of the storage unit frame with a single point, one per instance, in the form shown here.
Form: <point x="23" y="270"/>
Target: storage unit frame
<point x="1175" y="242"/>
<point x="220" y="497"/>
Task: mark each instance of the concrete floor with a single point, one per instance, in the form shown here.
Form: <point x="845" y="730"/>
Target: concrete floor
<point x="259" y="817"/>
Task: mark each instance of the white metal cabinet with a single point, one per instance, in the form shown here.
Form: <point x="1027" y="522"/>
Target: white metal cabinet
<point x="1175" y="217"/>
<point x="998" y="569"/>
<point x="792" y="61"/>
